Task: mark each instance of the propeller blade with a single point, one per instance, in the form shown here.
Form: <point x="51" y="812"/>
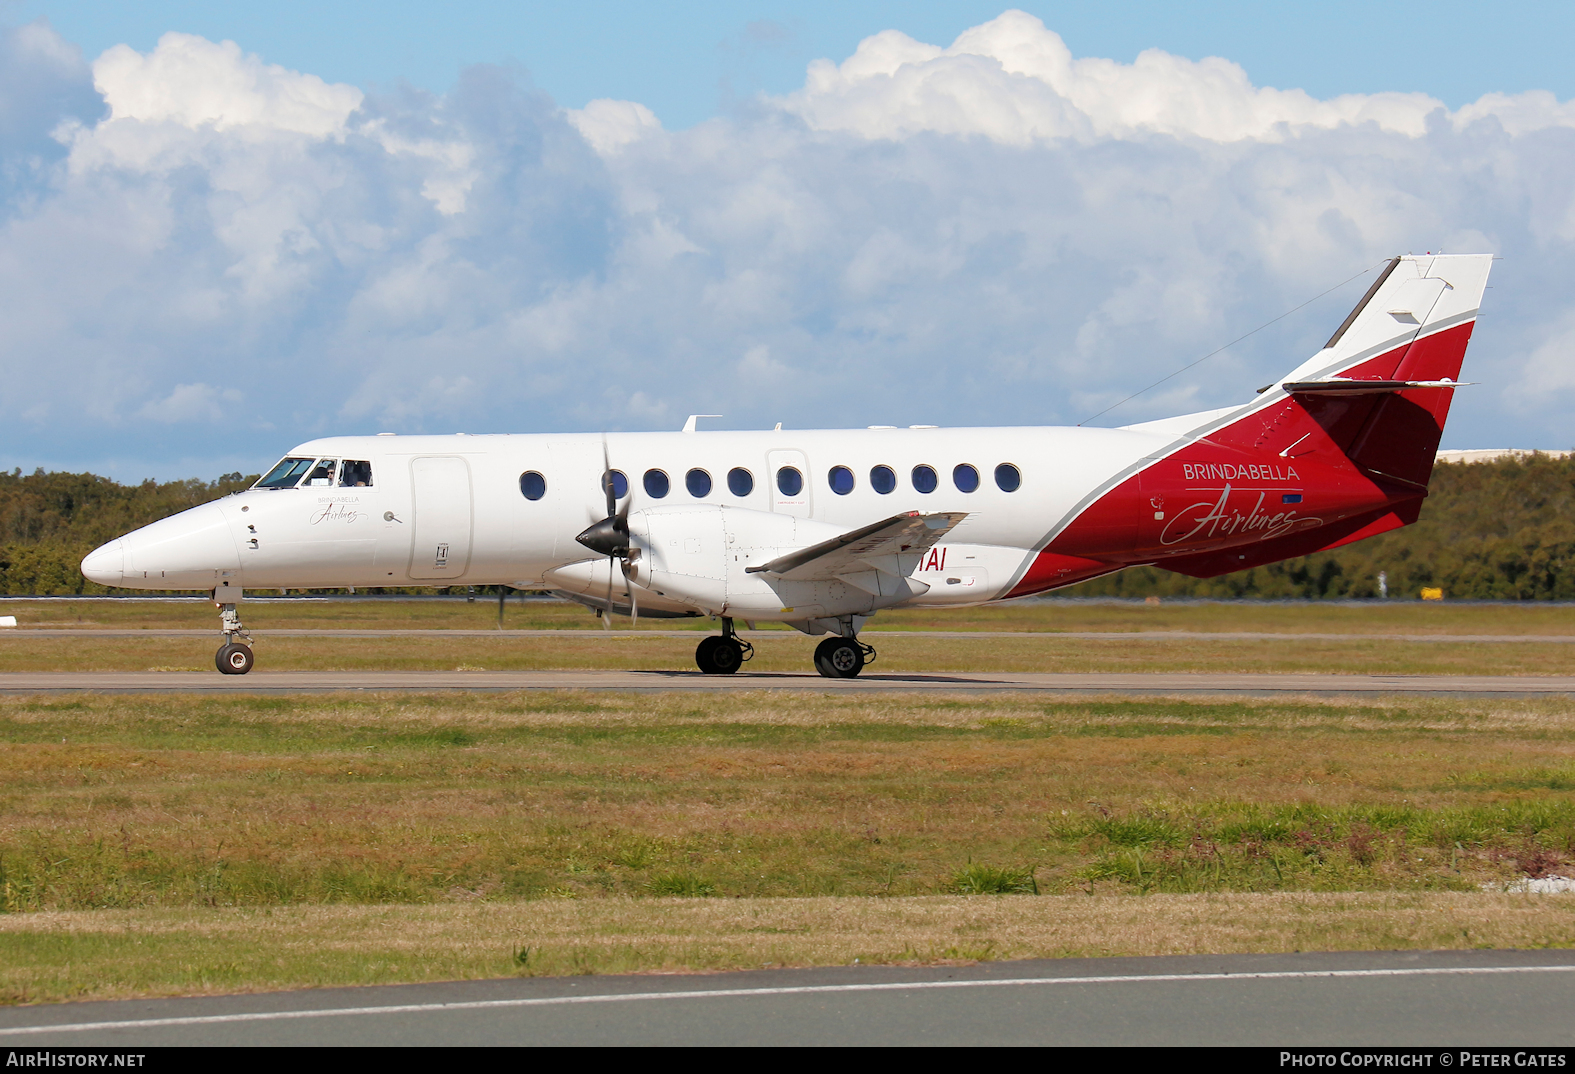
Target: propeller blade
<point x="634" y="601"/>
<point x="607" y="616"/>
<point x="503" y="594"/>
<point x="607" y="480"/>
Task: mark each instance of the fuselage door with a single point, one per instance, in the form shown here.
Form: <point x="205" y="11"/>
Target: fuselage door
<point x="440" y="530"/>
<point x="790" y="481"/>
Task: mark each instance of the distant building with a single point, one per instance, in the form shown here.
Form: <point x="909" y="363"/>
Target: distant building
<point x="1489" y="454"/>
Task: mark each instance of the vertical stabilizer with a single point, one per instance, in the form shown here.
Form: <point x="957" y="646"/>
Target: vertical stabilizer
<point x="1412" y="325"/>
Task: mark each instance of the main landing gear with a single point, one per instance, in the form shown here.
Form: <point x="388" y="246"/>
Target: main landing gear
<point x="725" y="654"/>
<point x="843" y="658"/>
<point x="835" y="658"/>
<point x="234" y="656"/>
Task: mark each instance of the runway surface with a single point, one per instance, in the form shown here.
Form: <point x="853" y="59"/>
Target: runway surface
<point x="873" y="634"/>
<point x="388" y="681"/>
<point x="1428" y="999"/>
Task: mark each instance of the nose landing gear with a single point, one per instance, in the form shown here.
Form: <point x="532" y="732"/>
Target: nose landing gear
<point x="234" y="656"/>
<point x="843" y="658"/>
<point x="725" y="654"/>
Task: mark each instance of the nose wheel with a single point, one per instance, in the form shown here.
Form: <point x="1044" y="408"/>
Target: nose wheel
<point x="725" y="654"/>
<point x="842" y="658"/>
<point x="234" y="656"/>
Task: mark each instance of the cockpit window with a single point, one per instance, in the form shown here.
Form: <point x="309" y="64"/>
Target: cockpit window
<point x="322" y="474"/>
<point x="285" y="475"/>
<point x="354" y="474"/>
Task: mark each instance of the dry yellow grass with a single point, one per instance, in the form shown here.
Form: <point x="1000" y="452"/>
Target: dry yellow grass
<point x="790" y="651"/>
<point x="156" y="844"/>
<point x="1398" y="616"/>
<point x="117" y="954"/>
<point x="141" y="801"/>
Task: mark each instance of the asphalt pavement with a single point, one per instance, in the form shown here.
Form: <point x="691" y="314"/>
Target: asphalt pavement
<point x="1423" y="999"/>
<point x="392" y="681"/>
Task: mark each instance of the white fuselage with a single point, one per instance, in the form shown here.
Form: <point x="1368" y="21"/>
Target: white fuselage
<point x="446" y="510"/>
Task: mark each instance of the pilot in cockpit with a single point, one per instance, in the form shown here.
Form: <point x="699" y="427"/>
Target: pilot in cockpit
<point x="355" y="474"/>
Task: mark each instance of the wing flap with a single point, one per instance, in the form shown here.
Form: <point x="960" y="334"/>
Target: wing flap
<point x="909" y="533"/>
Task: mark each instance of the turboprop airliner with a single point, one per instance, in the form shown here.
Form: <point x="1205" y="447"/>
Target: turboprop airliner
<point x="823" y="529"/>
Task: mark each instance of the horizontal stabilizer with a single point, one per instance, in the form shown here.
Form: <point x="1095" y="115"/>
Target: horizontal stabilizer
<point x="1341" y="387"/>
<point x="906" y="534"/>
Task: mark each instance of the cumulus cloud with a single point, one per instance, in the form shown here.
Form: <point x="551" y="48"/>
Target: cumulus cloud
<point x="194" y="82"/>
<point x="44" y="82"/>
<point x="198" y="247"/>
<point x="194" y="402"/>
<point x="1014" y="81"/>
<point x="610" y="125"/>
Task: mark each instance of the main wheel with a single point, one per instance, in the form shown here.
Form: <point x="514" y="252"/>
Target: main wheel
<point x="719" y="656"/>
<point x="233" y="658"/>
<point x="839" y="658"/>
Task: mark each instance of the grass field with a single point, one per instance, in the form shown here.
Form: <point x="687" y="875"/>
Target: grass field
<point x="793" y="653"/>
<point x="1051" y="616"/>
<point x="1375" y="641"/>
<point x="127" y="953"/>
<point x="174" y="844"/>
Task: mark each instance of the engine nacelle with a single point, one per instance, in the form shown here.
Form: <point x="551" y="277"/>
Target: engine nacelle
<point x="698" y="555"/>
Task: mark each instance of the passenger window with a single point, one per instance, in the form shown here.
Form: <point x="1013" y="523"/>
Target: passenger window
<point x="841" y="480"/>
<point x="883" y="479"/>
<point x="285" y="475"/>
<point x="1007" y="479"/>
<point x="656" y="484"/>
<point x="322" y="474"/>
<point x="620" y="483"/>
<point x="924" y="478"/>
<point x="354" y="474"/>
<point x="789" y="481"/>
<point x="532" y="485"/>
<point x="698" y="482"/>
<point x="740" y="482"/>
<point x="965" y="477"/>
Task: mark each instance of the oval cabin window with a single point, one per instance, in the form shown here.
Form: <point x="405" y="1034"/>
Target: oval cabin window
<point x="841" y="480"/>
<point x="789" y="481"/>
<point x="532" y="485"/>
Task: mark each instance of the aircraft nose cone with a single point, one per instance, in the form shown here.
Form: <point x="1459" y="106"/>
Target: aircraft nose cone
<point x="106" y="564"/>
<point x="184" y="551"/>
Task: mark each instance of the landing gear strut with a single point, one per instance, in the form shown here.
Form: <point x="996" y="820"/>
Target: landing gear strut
<point x="843" y="658"/>
<point x="235" y="655"/>
<point x="725" y="654"/>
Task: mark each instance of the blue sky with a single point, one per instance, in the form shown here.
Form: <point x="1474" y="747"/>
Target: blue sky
<point x="689" y="61"/>
<point x="528" y="217"/>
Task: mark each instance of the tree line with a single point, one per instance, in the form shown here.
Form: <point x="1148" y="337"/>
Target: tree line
<point x="1500" y="530"/>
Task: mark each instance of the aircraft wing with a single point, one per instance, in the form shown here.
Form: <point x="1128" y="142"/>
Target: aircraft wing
<point x="906" y="534"/>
